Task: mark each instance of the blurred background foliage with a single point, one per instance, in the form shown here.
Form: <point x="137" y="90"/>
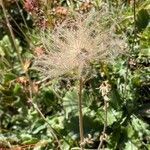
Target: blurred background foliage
<point x="128" y="118"/>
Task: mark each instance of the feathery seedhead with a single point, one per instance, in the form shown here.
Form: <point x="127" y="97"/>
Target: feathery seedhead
<point x="77" y="42"/>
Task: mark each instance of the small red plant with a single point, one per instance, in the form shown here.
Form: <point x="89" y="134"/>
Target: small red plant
<point x="31" y="5"/>
<point x="34" y="8"/>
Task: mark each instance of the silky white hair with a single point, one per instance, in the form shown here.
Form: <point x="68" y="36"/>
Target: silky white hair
<point x="78" y="41"/>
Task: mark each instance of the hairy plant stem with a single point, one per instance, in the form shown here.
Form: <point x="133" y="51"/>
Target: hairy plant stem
<point x="26" y="73"/>
<point x="80" y="113"/>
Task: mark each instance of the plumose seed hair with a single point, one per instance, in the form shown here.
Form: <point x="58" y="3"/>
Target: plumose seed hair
<point x="77" y="42"/>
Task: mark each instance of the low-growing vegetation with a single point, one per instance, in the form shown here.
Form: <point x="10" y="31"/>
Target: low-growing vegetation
<point x="74" y="75"/>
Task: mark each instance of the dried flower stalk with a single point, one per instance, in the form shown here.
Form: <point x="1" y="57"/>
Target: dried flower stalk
<point x="105" y="89"/>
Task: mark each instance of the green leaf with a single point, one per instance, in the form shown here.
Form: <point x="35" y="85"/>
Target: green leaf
<point x="9" y="77"/>
<point x="115" y="99"/>
<point x="143" y="19"/>
<point x="145" y="52"/>
<point x="139" y="125"/>
<point x="17" y="88"/>
<point x="31" y="141"/>
<point x="112" y="116"/>
<point x="130" y="131"/>
<point x="114" y="138"/>
<point x="2" y="54"/>
<point x="70" y="102"/>
<point x="25" y="136"/>
<point x="57" y="122"/>
<point x="130" y="146"/>
<point x="40" y="128"/>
